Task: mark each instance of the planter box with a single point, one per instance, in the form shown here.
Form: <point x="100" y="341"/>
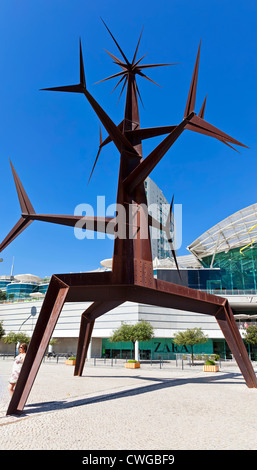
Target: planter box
<point x="211" y="368"/>
<point x="132" y="365"/>
<point x="70" y="362"/>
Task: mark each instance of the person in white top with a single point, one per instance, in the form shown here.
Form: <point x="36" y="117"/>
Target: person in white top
<point x="17" y="367"/>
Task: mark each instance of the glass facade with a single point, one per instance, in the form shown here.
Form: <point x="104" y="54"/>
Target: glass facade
<point x="237" y="269"/>
<point x="42" y="288"/>
<point x="155" y="349"/>
<point x="159" y="209"/>
<point x="204" y="279"/>
<point x="4" y="283"/>
<point x="200" y="279"/>
<point x="20" y="290"/>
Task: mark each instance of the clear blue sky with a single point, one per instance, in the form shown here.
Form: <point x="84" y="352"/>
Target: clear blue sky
<point x="52" y="138"/>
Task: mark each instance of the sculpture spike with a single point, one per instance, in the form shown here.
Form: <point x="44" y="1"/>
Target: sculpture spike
<point x="98" y="153"/>
<point x="190" y="106"/>
<point x="138" y="92"/>
<point x="117" y="136"/>
<point x="124" y="84"/>
<point x="81" y="86"/>
<point x="224" y="142"/>
<point x="134" y="58"/>
<point x="139" y="60"/>
<point x="26" y="206"/>
<point x="150" y="80"/>
<point x="16" y="230"/>
<point x="197" y="124"/>
<point x="149" y="66"/>
<point x="111" y="76"/>
<point x="81" y="66"/>
<point x="202" y="110"/>
<point x="115" y="59"/>
<point x="119" y="82"/>
<point x="26" y="209"/>
<point x="121" y="51"/>
<point x="130" y="68"/>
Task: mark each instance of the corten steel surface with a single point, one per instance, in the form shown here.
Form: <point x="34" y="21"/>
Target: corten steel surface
<point x="131" y="278"/>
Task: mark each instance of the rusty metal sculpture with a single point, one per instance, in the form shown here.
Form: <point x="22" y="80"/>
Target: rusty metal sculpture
<point x="131" y="277"/>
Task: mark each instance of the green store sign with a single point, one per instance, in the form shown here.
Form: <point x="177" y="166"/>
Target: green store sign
<point x="155" y="347"/>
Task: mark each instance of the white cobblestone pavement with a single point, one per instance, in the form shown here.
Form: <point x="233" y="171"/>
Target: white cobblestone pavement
<point x="113" y="408"/>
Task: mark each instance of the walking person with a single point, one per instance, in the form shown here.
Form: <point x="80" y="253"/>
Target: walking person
<point x="17" y="367"/>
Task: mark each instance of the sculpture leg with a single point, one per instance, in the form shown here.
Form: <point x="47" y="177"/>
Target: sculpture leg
<point x="50" y="311"/>
<point x="85" y="334"/>
<point x="86" y="327"/>
<point x="172" y="296"/>
<point x="227" y="323"/>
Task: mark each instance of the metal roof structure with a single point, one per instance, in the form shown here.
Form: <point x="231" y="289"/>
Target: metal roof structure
<point x="237" y="230"/>
<point x="184" y="262"/>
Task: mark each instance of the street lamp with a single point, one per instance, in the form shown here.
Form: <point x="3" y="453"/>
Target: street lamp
<point x="33" y="312"/>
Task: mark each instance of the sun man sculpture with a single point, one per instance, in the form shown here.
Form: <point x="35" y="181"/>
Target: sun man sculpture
<point x="131" y="277"/>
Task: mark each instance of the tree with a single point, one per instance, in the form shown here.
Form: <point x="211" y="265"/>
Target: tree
<point x="250" y="335"/>
<point x="2" y="331"/>
<point x="3" y="295"/>
<point x="141" y="331"/>
<point x="190" y="337"/>
<point x="14" y="338"/>
<point x="51" y="343"/>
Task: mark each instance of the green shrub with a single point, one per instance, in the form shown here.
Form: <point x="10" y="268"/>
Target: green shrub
<point x="72" y="358"/>
<point x="214" y="357"/>
<point x="210" y="363"/>
<point x="132" y="361"/>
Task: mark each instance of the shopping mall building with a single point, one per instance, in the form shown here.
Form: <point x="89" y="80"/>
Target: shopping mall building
<point x="222" y="261"/>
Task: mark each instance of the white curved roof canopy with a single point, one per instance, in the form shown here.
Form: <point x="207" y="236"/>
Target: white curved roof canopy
<point x="231" y="232"/>
<point x="186" y="262"/>
<point x="27" y="278"/>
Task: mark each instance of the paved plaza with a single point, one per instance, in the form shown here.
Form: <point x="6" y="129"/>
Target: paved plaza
<point x="113" y="408"/>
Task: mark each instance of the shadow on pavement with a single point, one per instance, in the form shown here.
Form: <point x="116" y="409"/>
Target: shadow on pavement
<point x="158" y="384"/>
